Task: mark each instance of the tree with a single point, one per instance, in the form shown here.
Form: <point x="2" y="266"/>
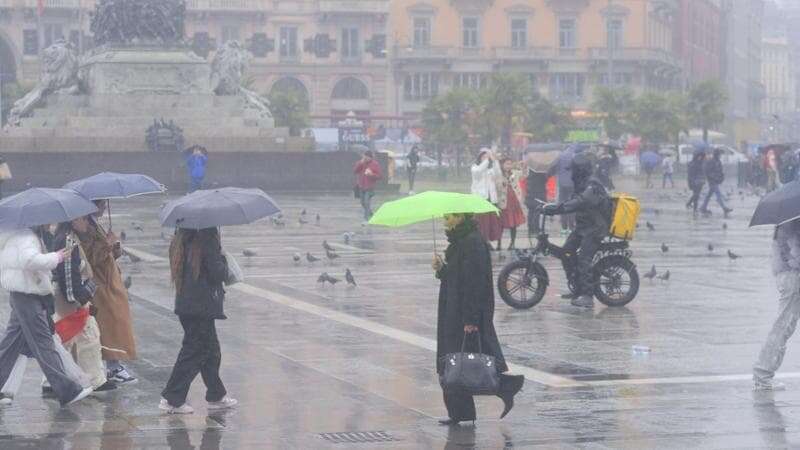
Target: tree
<point x="290" y="109"/>
<point x="706" y="106"/>
<point x="445" y="120"/>
<point x="546" y="121"/>
<point x="615" y="107"/>
<point x="654" y="118"/>
<point x="505" y="101"/>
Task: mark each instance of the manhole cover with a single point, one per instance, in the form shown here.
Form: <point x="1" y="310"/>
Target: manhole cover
<point x="357" y="437"/>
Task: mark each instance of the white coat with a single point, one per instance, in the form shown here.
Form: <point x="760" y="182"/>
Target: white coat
<point x="484" y="180"/>
<point x="24" y="267"/>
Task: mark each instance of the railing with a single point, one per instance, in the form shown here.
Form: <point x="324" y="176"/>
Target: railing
<point x="354" y="6"/>
<point x="60" y="4"/>
<point x="523" y="53"/>
<point x="428" y="52"/>
<point x="226" y="5"/>
<point x="635" y="54"/>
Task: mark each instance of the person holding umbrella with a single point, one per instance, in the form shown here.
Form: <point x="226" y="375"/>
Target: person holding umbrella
<point x="696" y="177"/>
<point x="26" y="272"/>
<point x="199" y="269"/>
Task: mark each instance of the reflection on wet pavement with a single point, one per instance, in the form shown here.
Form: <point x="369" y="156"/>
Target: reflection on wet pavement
<point x="314" y="364"/>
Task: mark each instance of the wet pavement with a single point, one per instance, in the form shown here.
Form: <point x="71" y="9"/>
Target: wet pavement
<point x="335" y="367"/>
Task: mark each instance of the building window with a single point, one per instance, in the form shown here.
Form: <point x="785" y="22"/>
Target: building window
<point x="351" y="89"/>
<point x="566" y="34"/>
<point x="421" y="86"/>
<point x="230" y="33"/>
<point x="288" y="44"/>
<point x="470" y="80"/>
<point x="350" y="48"/>
<point x="614" y="33"/>
<point x="519" y="33"/>
<point x="30" y="42"/>
<point x="422" y="32"/>
<point x="470" y="32"/>
<point x="620" y="79"/>
<point x="567" y="86"/>
<point x="52" y="33"/>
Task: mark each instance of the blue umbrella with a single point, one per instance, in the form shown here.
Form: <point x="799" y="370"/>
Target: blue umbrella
<point x="650" y="159"/>
<point x="41" y="206"/>
<point x="108" y="185"/>
<point x="218" y="207"/>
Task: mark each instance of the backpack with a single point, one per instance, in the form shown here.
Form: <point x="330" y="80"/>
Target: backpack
<point x="624" y="213"/>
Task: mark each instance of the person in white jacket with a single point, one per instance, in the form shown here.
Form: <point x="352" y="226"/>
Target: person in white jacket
<point x="485" y="177"/>
<point x="26" y="272"/>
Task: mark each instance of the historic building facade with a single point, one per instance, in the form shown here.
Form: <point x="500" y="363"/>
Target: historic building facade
<point x="331" y="51"/>
<point x="698" y="39"/>
<point x="562" y="45"/>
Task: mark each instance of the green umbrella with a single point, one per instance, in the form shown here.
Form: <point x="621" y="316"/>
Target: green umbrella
<point x="429" y="205"/>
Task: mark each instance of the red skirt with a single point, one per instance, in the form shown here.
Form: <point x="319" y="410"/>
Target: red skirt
<point x="512" y="216"/>
<point x="489" y="225"/>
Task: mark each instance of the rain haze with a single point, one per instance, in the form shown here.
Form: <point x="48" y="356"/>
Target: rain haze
<point x="400" y="224"/>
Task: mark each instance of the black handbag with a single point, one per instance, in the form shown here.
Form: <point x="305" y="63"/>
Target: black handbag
<point x="471" y="373"/>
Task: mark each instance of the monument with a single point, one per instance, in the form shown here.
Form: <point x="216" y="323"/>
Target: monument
<point x="140" y="71"/>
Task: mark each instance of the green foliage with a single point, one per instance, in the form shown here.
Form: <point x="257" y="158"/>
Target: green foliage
<point x="706" y="105"/>
<point x="445" y="118"/>
<point x="505" y="102"/>
<point x="657" y="117"/>
<point x="615" y="106"/>
<point x="290" y="109"/>
<point x="545" y="121"/>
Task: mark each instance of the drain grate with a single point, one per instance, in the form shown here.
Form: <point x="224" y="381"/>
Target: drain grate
<point x="358" y="437"/>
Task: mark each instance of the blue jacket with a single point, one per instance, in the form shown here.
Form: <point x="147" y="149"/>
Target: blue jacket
<point x="196" y="164"/>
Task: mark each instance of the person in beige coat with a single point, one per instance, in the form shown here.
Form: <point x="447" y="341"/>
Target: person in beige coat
<point x="111" y="300"/>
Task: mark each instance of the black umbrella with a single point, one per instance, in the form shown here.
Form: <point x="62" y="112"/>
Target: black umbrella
<point x="779" y="206"/>
<point x="218" y="207"/>
<point x="41" y="206"/>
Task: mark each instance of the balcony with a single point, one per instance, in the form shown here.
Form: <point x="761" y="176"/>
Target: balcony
<point x="636" y="54"/>
<point x="54" y="4"/>
<point x="424" y="53"/>
<point x="225" y="5"/>
<point x="354" y="6"/>
<point x="523" y="53"/>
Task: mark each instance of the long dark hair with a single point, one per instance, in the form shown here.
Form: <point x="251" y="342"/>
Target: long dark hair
<point x="480" y="155"/>
<point x="187" y="245"/>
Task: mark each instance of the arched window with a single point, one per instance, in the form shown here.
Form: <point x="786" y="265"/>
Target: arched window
<point x="350" y="89"/>
<point x="287" y="84"/>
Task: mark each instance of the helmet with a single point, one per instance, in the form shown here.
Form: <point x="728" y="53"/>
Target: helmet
<point x="582" y="168"/>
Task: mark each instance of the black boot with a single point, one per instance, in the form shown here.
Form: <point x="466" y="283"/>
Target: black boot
<point x="510" y="386"/>
<point x="449" y="422"/>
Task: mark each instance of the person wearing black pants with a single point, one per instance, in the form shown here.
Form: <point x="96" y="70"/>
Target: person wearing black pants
<point x="198" y="270"/>
<point x="696" y="178"/>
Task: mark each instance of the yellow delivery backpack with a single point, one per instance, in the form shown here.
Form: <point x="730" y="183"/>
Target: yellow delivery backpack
<point x="624" y="215"/>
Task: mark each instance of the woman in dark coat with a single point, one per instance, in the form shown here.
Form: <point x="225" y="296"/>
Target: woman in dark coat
<point x="696" y="178"/>
<point x="198" y="270"/>
<point x="466" y="307"/>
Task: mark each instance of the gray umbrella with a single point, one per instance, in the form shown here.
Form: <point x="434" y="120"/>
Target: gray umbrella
<point x="779" y="206"/>
<point x="41" y="206"/>
<point x="218" y="207"/>
<point x="115" y="185"/>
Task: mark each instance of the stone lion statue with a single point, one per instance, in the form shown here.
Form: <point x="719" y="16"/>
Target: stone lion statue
<point x="227" y="70"/>
<point x="59" y="74"/>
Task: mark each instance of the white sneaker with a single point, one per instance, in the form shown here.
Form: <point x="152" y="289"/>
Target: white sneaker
<point x="769" y="385"/>
<point x="6" y="400"/>
<point x="121" y="376"/>
<point x="82" y="395"/>
<point x="183" y="409"/>
<point x="225" y="403"/>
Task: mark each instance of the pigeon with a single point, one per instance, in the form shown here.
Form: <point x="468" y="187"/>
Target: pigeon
<point x="733" y="256"/>
<point x="664" y="248"/>
<point x="650" y="226"/>
<point x="137" y="227"/>
<point x="664" y="276"/>
<point x="710" y="247"/>
<point x="349" y="277"/>
<point x="131" y="256"/>
<point x="248" y="253"/>
<point x="347" y="237"/>
<point x="327" y="246"/>
<point x="724" y="226"/>
<point x="333" y="280"/>
<point x="323" y="278"/>
<point x="302" y="220"/>
<point x="303" y="213"/>
<point x="278" y="222"/>
<point x="331" y="255"/>
<point x="311" y="258"/>
<point x="657" y="212"/>
<point x="317" y="220"/>
<point x="651" y="274"/>
<point x="296" y="257"/>
<point x="128" y="282"/>
<point x="122" y="236"/>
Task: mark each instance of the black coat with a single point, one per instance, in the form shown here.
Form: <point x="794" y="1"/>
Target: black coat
<point x="714" y="171"/>
<point x="466" y="297"/>
<point x="204" y="296"/>
<point x="695" y="175"/>
<point x="81" y="292"/>
<point x="592" y="208"/>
